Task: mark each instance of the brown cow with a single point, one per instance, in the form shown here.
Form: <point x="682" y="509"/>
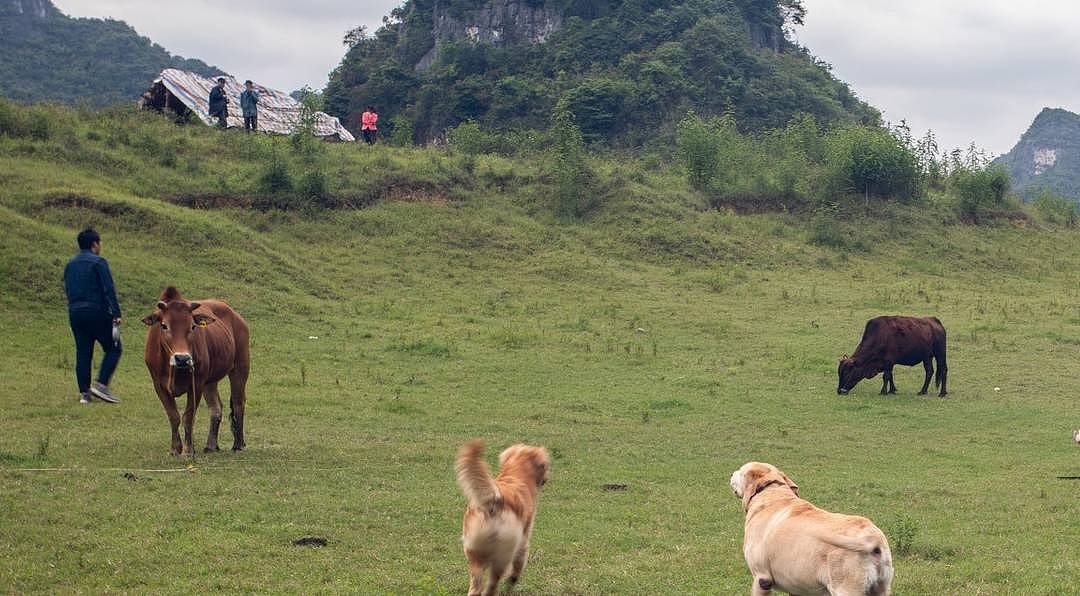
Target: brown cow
<point x="190" y="347"/>
<point x="888" y="341"/>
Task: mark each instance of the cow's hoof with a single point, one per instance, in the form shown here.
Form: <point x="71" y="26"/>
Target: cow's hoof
<point x="174" y="452"/>
<point x="211" y="449"/>
<point x="237" y="447"/>
<point x="942" y="394"/>
<point x="922" y="393"/>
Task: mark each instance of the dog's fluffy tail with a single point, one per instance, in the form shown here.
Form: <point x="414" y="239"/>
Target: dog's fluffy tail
<point x="474" y="477"/>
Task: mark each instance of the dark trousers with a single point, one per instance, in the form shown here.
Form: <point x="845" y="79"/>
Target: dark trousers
<point x="251" y="122"/>
<point x="222" y="119"/>
<point x="370" y="136"/>
<point x="88" y="327"/>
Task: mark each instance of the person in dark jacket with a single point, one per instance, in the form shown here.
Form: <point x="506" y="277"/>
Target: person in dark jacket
<point x="94" y="313"/>
<point x="219" y="103"/>
<point x="249" y="104"/>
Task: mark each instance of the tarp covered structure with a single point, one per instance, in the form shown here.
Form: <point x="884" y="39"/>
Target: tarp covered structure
<point x="184" y="92"/>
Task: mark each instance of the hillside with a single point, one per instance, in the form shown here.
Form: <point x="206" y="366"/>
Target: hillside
<point x="1047" y="156"/>
<point x="628" y="70"/>
<point x="421" y="297"/>
<point x="48" y="56"/>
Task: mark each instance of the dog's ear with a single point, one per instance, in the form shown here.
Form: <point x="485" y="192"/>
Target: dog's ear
<point x="752" y="477"/>
<point x="791" y="483"/>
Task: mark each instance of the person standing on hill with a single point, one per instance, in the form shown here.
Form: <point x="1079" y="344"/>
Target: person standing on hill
<point x="94" y="313"/>
<point x="249" y="104"/>
<point x="219" y="103"/>
<point x="367" y="125"/>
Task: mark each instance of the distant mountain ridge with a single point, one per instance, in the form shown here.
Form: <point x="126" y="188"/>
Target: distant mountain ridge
<point x="1047" y="156"/>
<point x="46" y="55"/>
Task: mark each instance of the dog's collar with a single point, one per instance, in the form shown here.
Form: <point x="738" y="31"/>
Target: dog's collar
<point x="762" y="487"/>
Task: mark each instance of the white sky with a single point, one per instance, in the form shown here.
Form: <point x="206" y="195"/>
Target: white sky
<point x="971" y="70"/>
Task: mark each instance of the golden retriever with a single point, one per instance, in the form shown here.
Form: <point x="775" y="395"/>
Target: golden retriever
<point x="499" y="516"/>
<point x="794" y="547"/>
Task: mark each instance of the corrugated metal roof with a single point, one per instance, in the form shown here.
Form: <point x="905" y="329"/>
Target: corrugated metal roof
<point x="278" y="113"/>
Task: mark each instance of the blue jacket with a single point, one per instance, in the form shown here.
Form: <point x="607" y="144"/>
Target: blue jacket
<point x="249" y="103"/>
<point x="89" y="285"/>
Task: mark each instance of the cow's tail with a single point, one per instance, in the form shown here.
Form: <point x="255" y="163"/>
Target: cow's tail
<point x="474" y="477"/>
<point x="939" y="375"/>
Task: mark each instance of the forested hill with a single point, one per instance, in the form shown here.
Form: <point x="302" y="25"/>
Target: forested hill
<point x="628" y="69"/>
<point x="1047" y="157"/>
<point x="46" y="55"/>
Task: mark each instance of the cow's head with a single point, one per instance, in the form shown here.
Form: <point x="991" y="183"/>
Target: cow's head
<point x="849" y="373"/>
<point x="177" y="324"/>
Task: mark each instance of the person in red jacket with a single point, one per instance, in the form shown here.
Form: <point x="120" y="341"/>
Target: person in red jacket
<point x="367" y="125"/>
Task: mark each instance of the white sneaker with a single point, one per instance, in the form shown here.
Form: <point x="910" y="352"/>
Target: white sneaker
<point x="102" y="392"/>
<point x="84" y="398"/>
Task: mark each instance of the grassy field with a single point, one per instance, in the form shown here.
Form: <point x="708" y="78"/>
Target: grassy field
<point x="656" y="344"/>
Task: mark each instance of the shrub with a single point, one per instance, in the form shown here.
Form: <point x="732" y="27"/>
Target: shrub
<point x="12" y="120"/>
<point x="569" y="170"/>
<point x="470" y="139"/>
<point x="402" y="133"/>
<point x="1055" y="208"/>
<point x="312" y="186"/>
<point x="275" y="177"/>
<point x="698" y="148"/>
<point x="902" y="534"/>
<point x="864" y="160"/>
<point x="40" y="126"/>
<point x="979" y="192"/>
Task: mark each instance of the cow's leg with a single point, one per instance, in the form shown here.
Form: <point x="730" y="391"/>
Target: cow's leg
<point x="886" y="375"/>
<point x="928" y="366"/>
<point x="169" y="403"/>
<point x="892" y="381"/>
<point x="237" y="397"/>
<point x="942" y="373"/>
<point x="189" y="420"/>
<point x="213" y="401"/>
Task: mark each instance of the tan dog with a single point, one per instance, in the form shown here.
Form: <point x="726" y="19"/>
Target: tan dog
<point x="792" y="546"/>
<point x="499" y="517"/>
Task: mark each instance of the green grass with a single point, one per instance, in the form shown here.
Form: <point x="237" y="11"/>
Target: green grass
<point x="656" y="344"/>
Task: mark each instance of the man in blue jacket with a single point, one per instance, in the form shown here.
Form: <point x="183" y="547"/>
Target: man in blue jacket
<point x="249" y="104"/>
<point x="94" y="313"/>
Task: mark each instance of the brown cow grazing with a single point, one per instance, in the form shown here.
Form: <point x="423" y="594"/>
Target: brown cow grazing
<point x="888" y="341"/>
<point x="190" y="347"/>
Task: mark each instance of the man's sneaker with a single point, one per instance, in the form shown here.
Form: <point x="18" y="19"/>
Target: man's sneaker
<point x="102" y="392"/>
<point x="84" y="398"/>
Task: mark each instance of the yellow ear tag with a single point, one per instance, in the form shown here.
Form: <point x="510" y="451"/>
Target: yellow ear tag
<point x="202" y="323"/>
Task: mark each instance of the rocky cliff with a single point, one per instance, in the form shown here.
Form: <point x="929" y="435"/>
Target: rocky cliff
<point x="31" y="8"/>
<point x="498" y="22"/>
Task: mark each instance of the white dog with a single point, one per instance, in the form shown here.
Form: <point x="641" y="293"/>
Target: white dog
<point x="792" y="546"/>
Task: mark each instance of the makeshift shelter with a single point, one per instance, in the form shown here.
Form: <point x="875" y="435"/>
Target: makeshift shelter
<point x="187" y="93"/>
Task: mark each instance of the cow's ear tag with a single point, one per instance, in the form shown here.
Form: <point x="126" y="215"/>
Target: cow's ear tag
<point x="202" y="323"/>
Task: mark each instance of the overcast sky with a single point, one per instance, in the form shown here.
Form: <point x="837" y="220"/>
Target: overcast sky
<point x="971" y="70"/>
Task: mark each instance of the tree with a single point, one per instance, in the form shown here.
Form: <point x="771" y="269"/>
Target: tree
<point x="355" y="36"/>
